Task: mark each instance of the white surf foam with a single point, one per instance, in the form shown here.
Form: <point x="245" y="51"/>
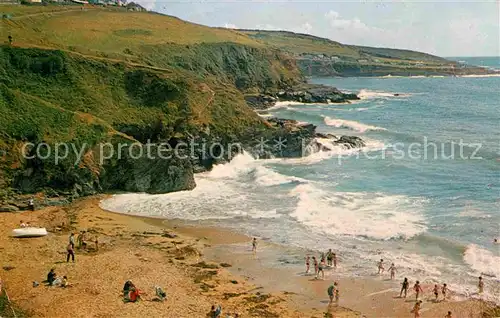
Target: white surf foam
<point x="371" y="215"/>
<point x="267" y="177"/>
<point x="350" y="124"/>
<point x="369" y="94"/>
<point x="242" y="163"/>
<point x="482" y="261"/>
<point x="480" y="75"/>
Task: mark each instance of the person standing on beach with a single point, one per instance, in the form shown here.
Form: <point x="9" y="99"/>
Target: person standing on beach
<point x="381" y="268"/>
<point x="337" y="296"/>
<point x="320" y="269"/>
<point x="254" y="246"/>
<point x="31" y="204"/>
<point x="71" y="253"/>
<point x="416" y="309"/>
<point x="392" y="270"/>
<point x="315" y="266"/>
<point x="334" y="260"/>
<point x="72" y="239"/>
<point x="480" y="285"/>
<point x="307" y="264"/>
<point x="329" y="257"/>
<point x="418" y="289"/>
<point x="444" y="290"/>
<point x="404" y="287"/>
<point x="331" y="292"/>
<point x="436" y="292"/>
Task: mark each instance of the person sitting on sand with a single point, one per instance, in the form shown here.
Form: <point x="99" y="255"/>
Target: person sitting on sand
<point x="448" y="315"/>
<point x="51" y="276"/>
<point x="307" y="264"/>
<point x="392" y="270"/>
<point x="160" y="293"/>
<point x="127" y="288"/>
<point x="444" y="291"/>
<point x="22" y="224"/>
<point x="65" y="283"/>
<point x="416" y="309"/>
<point x="381" y="268"/>
<point x="436" y="292"/>
<point x="418" y="289"/>
<point x="215" y="312"/>
<point x="480" y="285"/>
<point x="404" y="287"/>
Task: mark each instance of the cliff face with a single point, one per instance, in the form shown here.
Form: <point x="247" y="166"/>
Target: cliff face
<point x="72" y="109"/>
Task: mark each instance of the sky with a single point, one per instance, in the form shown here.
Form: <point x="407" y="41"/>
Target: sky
<point x="444" y="28"/>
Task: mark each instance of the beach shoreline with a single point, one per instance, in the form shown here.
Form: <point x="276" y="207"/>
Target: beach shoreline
<point x="152" y="251"/>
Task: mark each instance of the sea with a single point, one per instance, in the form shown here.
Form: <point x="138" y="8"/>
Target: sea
<point x="423" y="194"/>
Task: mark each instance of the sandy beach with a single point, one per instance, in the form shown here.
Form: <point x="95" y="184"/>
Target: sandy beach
<point x="196" y="266"/>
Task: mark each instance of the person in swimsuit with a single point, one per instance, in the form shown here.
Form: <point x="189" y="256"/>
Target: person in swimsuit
<point x="444" y="290"/>
<point x="418" y="289"/>
<point x="392" y="270"/>
<point x="254" y="245"/>
<point x="337" y="296"/>
<point x="480" y="285"/>
<point x="307" y="264"/>
<point x="334" y="260"/>
<point x="404" y="287"/>
<point x="436" y="292"/>
<point x="315" y="266"/>
<point x="381" y="266"/>
<point x="331" y="292"/>
<point x="320" y="270"/>
<point x="416" y="309"/>
<point x="329" y="257"/>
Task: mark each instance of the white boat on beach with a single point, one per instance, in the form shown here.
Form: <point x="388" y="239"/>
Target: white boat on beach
<point x="29" y="232"/>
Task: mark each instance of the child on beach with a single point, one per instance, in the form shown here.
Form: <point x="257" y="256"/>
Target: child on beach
<point x="418" y="289"/>
<point x="480" y="285"/>
<point x="337" y="296"/>
<point x="444" y="290"/>
<point x="381" y="267"/>
<point x="307" y="264"/>
<point x="404" y="287"/>
<point x="334" y="260"/>
<point x="392" y="270"/>
<point x="320" y="269"/>
<point x="315" y="266"/>
<point x="436" y="292"/>
<point x="416" y="309"/>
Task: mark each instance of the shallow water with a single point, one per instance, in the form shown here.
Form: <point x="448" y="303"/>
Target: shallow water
<point x="432" y="208"/>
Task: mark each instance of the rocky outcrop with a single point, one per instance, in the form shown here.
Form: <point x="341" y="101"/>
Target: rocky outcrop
<point x="318" y="94"/>
<point x="305" y="93"/>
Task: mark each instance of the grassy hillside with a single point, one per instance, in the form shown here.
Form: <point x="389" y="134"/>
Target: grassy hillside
<point x="106" y="75"/>
<point x="401" y="54"/>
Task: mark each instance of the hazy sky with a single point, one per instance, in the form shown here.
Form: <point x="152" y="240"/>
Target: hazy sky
<point x="445" y="28"/>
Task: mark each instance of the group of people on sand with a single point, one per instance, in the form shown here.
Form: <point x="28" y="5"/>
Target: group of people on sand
<point x="54" y="280"/>
<point x="391" y="269"/>
<point x="81" y="243"/>
<point x="417" y="288"/>
<point x="329" y="257"/>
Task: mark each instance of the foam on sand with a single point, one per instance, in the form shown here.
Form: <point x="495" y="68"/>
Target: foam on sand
<point x="350" y="124"/>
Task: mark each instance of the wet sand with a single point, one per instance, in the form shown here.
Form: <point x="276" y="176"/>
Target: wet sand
<point x="271" y="284"/>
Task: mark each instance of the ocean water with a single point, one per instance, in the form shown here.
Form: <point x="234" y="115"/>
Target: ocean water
<point x="423" y="194"/>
